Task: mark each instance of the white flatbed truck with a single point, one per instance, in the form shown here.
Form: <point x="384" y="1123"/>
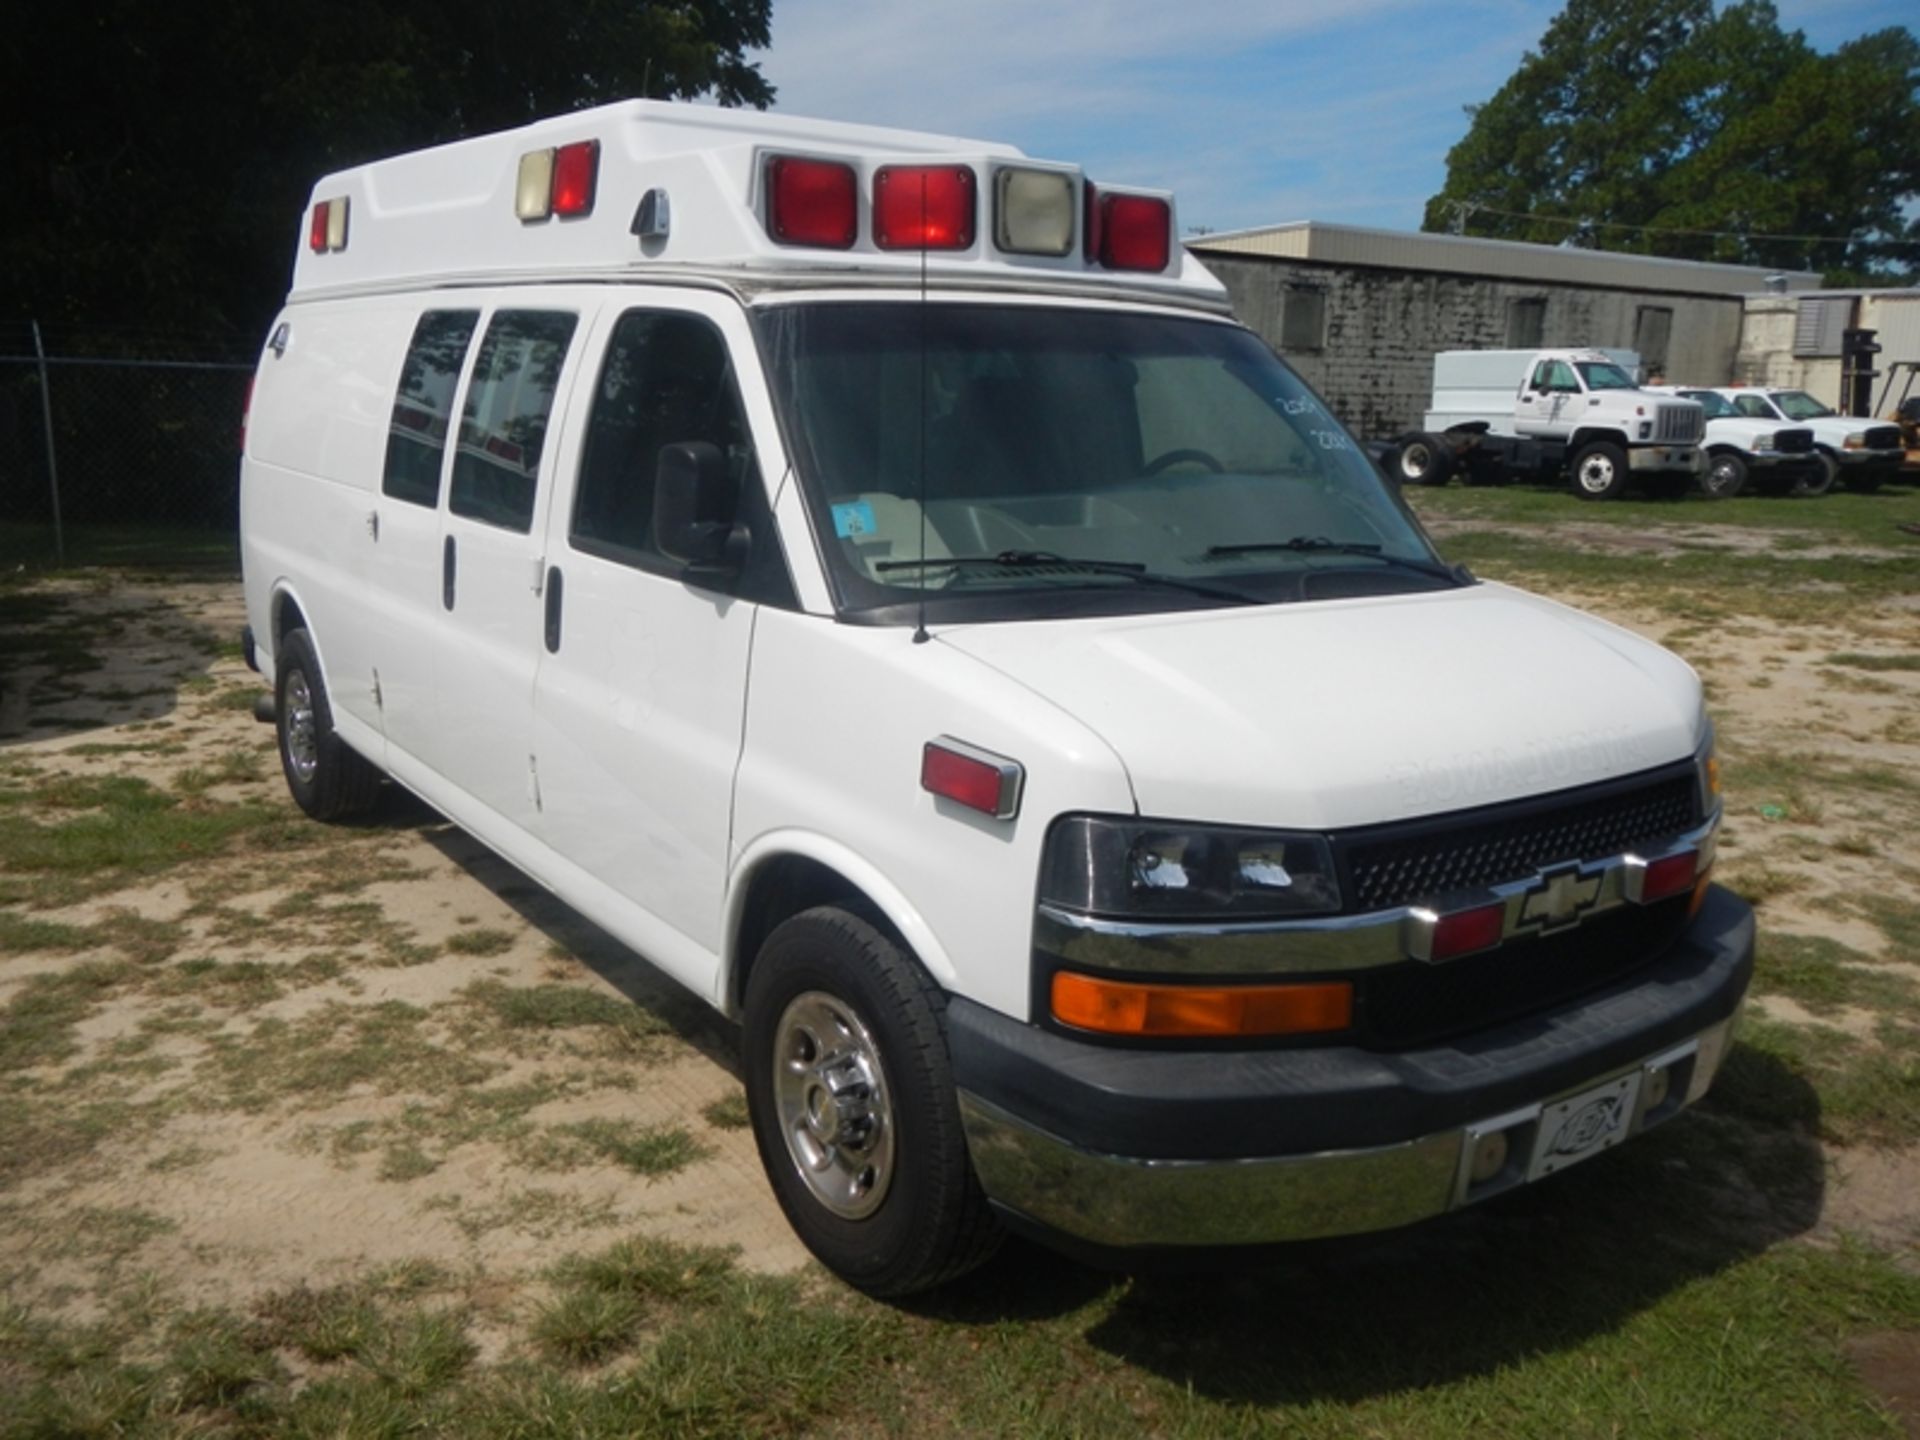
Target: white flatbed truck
<point x="1539" y="414"/>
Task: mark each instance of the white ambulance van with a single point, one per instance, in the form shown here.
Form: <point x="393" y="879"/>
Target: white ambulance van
<point x="872" y="575"/>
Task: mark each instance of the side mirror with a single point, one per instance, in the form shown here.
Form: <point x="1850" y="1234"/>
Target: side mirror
<point x="694" y="504"/>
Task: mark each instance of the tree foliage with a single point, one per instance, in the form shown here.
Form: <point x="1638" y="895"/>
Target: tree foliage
<point x="1641" y="124"/>
<point x="157" y="157"/>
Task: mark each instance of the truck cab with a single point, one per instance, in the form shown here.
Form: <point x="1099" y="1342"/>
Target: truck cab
<point x="872" y="575"/>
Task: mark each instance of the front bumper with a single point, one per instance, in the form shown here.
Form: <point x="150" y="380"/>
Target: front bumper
<point x="1131" y="1149"/>
<point x="1672" y="459"/>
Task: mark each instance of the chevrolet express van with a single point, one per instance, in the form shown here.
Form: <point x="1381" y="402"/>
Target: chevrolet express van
<point x="872" y="575"/>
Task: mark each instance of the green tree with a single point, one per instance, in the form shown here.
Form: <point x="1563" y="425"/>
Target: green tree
<point x="1670" y="129"/>
<point x="156" y="158"/>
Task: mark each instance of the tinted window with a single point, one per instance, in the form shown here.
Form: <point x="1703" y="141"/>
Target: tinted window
<point x="504" y="425"/>
<point x="1754" y="405"/>
<point x="417" y="436"/>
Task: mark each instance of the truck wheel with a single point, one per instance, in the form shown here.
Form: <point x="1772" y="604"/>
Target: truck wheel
<point x="1724" y="477"/>
<point x="854" y="1109"/>
<point x="1424" y="459"/>
<point x="1599" y="471"/>
<point x="328" y="778"/>
<point x="1819" y="478"/>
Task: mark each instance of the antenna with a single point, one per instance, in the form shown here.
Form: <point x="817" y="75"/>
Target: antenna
<point x="920" y="625"/>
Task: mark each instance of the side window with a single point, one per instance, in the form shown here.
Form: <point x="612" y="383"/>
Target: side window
<point x="1561" y="379"/>
<point x="1754" y="405"/>
<point x="417" y="435"/>
<point x="504" y="424"/>
<point x="667" y="380"/>
<point x="1543" y="375"/>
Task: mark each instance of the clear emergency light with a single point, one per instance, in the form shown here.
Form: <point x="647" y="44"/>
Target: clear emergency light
<point x="559" y="181"/>
<point x="1032" y="211"/>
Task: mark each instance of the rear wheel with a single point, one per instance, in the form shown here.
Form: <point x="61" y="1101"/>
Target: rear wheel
<point x="1424" y="459"/>
<point x="854" y="1108"/>
<point x="328" y="778"/>
<point x="1724" y="477"/>
<point x="1599" y="471"/>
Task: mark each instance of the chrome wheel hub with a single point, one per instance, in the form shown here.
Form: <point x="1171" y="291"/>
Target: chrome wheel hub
<point x="835" y="1113"/>
<point x="1596" y="473"/>
<point x="301" y="737"/>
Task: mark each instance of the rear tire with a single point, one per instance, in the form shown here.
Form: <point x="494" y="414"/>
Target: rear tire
<point x="1424" y="459"/>
<point x="1724" y="477"/>
<point x="1599" y="471"/>
<point x="327" y="777"/>
<point x="854" y="1109"/>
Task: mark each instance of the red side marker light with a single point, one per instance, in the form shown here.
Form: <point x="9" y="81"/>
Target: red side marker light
<point x="812" y="202"/>
<point x="923" y="207"/>
<point x="969" y="776"/>
<point x="1136" y="232"/>
<point x="317" y="228"/>
<point x="576" y="175"/>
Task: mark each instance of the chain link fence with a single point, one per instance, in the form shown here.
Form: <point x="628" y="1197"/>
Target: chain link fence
<point x="119" y="459"/>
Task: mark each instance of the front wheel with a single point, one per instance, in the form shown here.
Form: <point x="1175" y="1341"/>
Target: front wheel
<point x="1724" y="477"/>
<point x="1424" y="459"/>
<point x="1819" y="478"/>
<point x="1599" y="471"/>
<point x="854" y="1108"/>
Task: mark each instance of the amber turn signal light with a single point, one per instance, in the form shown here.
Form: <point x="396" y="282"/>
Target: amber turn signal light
<point x="1121" y="1007"/>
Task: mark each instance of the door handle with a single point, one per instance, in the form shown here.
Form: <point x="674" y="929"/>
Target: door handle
<point x="446" y="573"/>
<point x="554" y="588"/>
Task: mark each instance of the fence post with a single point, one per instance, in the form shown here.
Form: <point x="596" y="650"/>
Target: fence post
<point x="53" y="463"/>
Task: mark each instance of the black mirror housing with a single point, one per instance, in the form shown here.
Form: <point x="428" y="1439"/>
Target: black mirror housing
<point x="694" y="505"/>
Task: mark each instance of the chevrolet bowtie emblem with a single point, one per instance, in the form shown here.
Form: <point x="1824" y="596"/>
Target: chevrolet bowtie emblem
<point x="1560" y="900"/>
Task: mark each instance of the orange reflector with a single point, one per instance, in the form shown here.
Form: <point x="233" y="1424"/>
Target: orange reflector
<point x="1120" y="1007"/>
<point x="1713" y="775"/>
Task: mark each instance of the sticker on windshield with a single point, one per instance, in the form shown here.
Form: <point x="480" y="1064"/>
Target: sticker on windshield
<point x="852" y="519"/>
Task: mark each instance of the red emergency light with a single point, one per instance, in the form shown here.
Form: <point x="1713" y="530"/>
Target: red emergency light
<point x="812" y="202"/>
<point x="327" y="230"/>
<point x="317" y="230"/>
<point x="576" y="175"/>
<point x="1136" y="232"/>
<point x="923" y="207"/>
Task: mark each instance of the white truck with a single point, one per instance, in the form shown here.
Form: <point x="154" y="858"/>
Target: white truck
<point x="1542" y="414"/>
<point x="871" y="574"/>
<point x="1862" y="454"/>
<point x="1746" y="453"/>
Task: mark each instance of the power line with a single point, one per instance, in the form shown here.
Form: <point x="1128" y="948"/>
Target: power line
<point x="1463" y="209"/>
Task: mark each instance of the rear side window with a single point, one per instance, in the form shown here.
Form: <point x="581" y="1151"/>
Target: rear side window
<point x="667" y="380"/>
<point x="503" y="427"/>
<point x="417" y="435"/>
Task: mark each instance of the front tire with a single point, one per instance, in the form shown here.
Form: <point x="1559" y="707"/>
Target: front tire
<point x="328" y="778"/>
<point x="1599" y="471"/>
<point x="1724" y="477"/>
<point x="1818" y="480"/>
<point x="1424" y="459"/>
<point x="854" y="1109"/>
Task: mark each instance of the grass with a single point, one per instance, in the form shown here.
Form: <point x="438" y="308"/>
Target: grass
<point x="650" y="1150"/>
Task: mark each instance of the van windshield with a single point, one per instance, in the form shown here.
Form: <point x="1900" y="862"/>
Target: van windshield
<point x="1013" y="461"/>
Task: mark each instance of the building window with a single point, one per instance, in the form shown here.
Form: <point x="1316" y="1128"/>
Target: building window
<point x="1652" y="330"/>
<point x="1303" y="321"/>
<point x="1526" y="323"/>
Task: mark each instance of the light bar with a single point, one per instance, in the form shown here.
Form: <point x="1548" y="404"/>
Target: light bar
<point x="327" y="230"/>
<point x="1135" y="232"/>
<point x="1120" y="1007"/>
<point x="812" y="202"/>
<point x="923" y="207"/>
<point x="1032" y="211"/>
<point x="969" y="776"/>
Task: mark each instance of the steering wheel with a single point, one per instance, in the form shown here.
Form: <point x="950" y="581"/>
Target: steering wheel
<point x="1182" y="457"/>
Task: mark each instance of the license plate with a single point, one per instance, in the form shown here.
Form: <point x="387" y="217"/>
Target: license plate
<point x="1582" y="1125"/>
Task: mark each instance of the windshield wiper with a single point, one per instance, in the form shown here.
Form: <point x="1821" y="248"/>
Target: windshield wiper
<point x="1321" y="545"/>
<point x="1047" y="560"/>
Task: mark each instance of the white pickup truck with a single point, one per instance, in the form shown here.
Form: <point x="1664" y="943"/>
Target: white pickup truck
<point x="1865" y="454"/>
<point x="1745" y="453"/>
<point x="1500" y="414"/>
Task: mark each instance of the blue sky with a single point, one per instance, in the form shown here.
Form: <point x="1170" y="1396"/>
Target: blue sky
<point x="1254" y="112"/>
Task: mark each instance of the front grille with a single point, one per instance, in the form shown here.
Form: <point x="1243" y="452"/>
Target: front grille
<point x="1429" y="859"/>
<point x="1793" y="442"/>
<point x="1680" y="424"/>
<point x="1883" y="437"/>
<point x="1414" y="1004"/>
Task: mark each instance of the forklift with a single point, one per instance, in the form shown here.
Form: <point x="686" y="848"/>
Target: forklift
<point x="1903" y="409"/>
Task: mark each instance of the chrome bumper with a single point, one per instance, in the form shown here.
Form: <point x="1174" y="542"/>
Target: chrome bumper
<point x="1120" y="1201"/>
<point x="1685" y="459"/>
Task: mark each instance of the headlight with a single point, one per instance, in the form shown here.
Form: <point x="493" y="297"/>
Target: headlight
<point x="1761" y="442"/>
<point x="1854" y="442"/>
<point x="1146" y="869"/>
<point x="1706" y="767"/>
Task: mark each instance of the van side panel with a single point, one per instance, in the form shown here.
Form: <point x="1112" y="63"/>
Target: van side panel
<point x="316" y="444"/>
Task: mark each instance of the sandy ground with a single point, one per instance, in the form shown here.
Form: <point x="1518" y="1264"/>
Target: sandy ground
<point x="243" y="1195"/>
